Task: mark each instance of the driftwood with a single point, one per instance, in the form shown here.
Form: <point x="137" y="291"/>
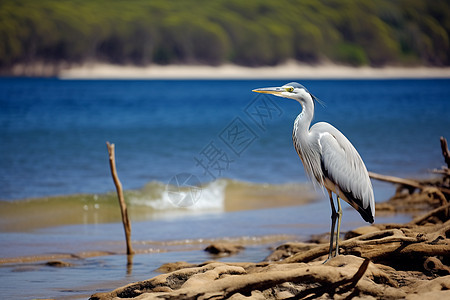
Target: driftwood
<point x="123" y="206"/>
<point x="445" y="151"/>
<point x="411" y="184"/>
<point x="418" y="195"/>
<point x="224" y="249"/>
<point x="383" y="261"/>
<point x="392" y="179"/>
<point x="389" y="262"/>
<point x="221" y="281"/>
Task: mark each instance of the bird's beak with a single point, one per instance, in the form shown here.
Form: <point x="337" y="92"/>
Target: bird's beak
<point x="270" y="90"/>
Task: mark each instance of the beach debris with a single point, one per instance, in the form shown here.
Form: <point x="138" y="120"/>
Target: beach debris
<point x="173" y="266"/>
<point x="123" y="207"/>
<point x="58" y="264"/>
<point x="418" y="195"/>
<point x="286" y="250"/>
<point x="389" y="261"/>
<point x="224" y="249"/>
<point x="445" y="152"/>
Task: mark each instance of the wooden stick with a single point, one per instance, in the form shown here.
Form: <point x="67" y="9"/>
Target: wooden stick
<point x="396" y="180"/>
<point x="123" y="206"/>
<point x="445" y="151"/>
<point x="406" y="182"/>
<point x="441" y="209"/>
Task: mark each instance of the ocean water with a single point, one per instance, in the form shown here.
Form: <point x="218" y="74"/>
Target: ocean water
<point x="192" y="155"/>
<point x="53" y="132"/>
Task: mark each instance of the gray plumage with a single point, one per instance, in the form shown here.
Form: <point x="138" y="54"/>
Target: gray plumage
<point x="329" y="159"/>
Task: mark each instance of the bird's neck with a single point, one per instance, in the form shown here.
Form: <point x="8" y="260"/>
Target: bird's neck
<point x="302" y="139"/>
<point x="304" y="119"/>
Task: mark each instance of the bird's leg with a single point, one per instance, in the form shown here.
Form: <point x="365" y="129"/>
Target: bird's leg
<point x="333" y="224"/>
<point x="339" y="216"/>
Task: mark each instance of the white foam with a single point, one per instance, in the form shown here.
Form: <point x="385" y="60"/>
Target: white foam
<point x="160" y="197"/>
<point x="212" y="196"/>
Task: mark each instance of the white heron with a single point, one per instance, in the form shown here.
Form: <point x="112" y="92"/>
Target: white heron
<point x="329" y="159"/>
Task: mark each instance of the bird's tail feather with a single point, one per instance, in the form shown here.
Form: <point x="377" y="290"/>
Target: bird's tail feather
<point x="366" y="213"/>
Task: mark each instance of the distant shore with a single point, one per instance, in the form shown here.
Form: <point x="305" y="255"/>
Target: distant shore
<point x="286" y="71"/>
<point x="291" y="70"/>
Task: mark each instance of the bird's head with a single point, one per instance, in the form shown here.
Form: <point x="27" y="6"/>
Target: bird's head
<point x="292" y="90"/>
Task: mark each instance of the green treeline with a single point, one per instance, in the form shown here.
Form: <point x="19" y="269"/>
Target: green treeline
<point x="250" y="32"/>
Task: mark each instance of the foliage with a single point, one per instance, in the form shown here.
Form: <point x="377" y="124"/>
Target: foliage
<point x="253" y="32"/>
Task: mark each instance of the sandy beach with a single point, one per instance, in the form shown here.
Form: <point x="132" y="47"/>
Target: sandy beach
<point x="290" y="70"/>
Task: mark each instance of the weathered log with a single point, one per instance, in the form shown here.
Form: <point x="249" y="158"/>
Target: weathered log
<point x="221" y="281"/>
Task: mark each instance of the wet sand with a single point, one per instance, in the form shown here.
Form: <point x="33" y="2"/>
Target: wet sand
<point x="79" y="260"/>
<point x="46" y="217"/>
<point x="91" y="271"/>
<point x="33" y="214"/>
<point x="239" y="196"/>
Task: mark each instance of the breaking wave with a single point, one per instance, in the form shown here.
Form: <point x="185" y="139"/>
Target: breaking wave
<point x="156" y="199"/>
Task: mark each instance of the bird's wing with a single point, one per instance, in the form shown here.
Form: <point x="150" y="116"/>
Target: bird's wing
<point x="343" y="166"/>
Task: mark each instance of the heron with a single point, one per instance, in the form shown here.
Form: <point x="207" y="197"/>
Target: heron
<point x="329" y="160"/>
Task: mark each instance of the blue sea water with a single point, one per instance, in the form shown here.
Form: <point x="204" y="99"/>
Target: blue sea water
<point x="52" y="142"/>
<point x="53" y="132"/>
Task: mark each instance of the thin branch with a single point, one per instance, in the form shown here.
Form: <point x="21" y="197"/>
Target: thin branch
<point x="445" y="209"/>
<point x="397" y="180"/>
<point x="406" y="182"/>
<point x="123" y="206"/>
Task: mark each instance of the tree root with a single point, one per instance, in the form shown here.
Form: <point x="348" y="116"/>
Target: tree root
<point x="390" y="262"/>
<point x="394" y="263"/>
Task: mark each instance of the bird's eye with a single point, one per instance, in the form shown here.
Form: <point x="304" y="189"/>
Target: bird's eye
<point x="289" y="89"/>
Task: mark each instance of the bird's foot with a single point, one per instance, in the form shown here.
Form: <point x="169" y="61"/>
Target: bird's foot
<point x="331" y="256"/>
<point x="327" y="260"/>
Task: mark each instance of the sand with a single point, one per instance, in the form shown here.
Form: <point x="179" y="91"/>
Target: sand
<point x="290" y="70"/>
<point x="252" y="196"/>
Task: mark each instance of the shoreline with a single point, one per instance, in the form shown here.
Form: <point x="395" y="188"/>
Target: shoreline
<point x="164" y="253"/>
<point x="290" y="70"/>
<point x="383" y="260"/>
